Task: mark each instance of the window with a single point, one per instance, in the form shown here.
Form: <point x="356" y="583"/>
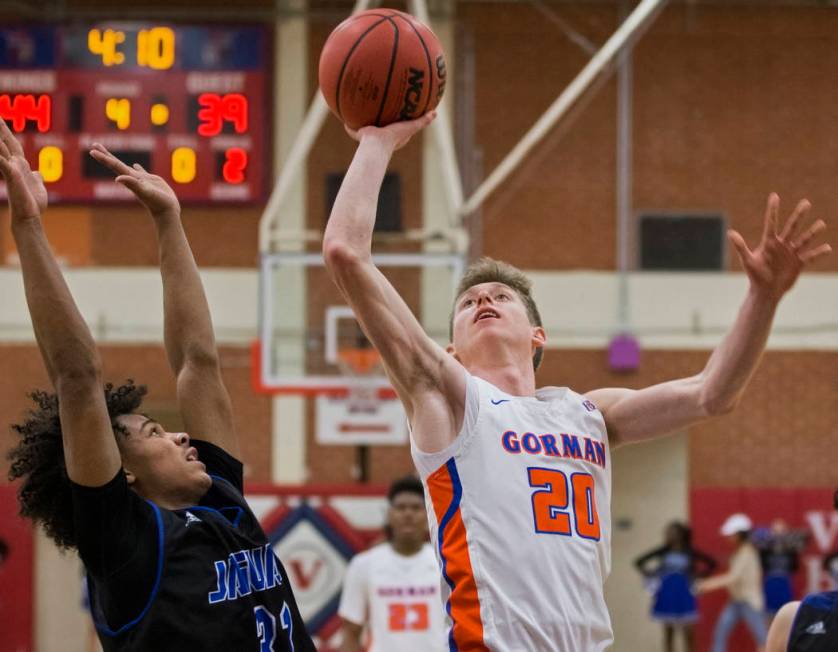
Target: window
<point x="681" y="242"/>
<point x="389" y="214"/>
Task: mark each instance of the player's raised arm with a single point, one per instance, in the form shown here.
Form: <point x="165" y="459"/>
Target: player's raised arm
<point x="421" y="372"/>
<point x="772" y="268"/>
<point x="190" y="343"/>
<point x="65" y="342"/>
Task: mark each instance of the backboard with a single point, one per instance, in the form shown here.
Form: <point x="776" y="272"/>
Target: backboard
<point x="306" y="328"/>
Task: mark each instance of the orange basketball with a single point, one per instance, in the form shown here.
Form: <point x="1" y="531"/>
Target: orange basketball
<point x="381" y="66"/>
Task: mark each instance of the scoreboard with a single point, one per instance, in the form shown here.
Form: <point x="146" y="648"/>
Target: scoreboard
<point x="188" y="102"/>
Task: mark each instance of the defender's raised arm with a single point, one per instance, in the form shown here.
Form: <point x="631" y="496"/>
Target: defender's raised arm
<point x="421" y="371"/>
<point x="190" y="343"/>
<point x="65" y="342"/>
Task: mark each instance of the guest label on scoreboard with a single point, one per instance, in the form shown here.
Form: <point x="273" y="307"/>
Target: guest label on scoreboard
<point x="188" y="102"/>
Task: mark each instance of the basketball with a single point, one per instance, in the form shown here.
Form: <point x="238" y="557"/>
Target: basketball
<point x="381" y="66"/>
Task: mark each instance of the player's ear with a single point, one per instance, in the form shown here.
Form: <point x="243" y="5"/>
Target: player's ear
<point x="539" y="337"/>
<point x="129" y="477"/>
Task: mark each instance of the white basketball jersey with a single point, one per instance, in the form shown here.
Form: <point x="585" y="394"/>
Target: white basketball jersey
<point x="519" y="507"/>
<point x="397" y="598"/>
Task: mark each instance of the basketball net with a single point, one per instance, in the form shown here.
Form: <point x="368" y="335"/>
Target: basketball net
<point x="359" y="367"/>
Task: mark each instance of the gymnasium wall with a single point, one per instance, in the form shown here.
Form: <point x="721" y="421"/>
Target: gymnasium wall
<point x="22" y="371"/>
<point x="729" y="104"/>
<point x="702" y="74"/>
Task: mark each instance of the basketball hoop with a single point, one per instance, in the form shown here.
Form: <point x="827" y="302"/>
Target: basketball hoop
<point x="359" y="367"/>
<point x="364" y="414"/>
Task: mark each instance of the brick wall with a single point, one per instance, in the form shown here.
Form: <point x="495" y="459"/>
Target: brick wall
<point x="723" y="115"/>
<point x="730" y="103"/>
<point x="21" y="371"/>
<point x="779" y="436"/>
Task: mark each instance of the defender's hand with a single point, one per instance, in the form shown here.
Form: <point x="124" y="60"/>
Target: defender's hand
<point x="27" y="194"/>
<point x="150" y="189"/>
<point x="395" y="135"/>
<point x="773" y="267"/>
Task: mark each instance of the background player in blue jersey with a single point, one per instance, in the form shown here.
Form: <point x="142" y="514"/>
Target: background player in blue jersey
<point x="779" y="551"/>
<point x="175" y="558"/>
<point x="673" y="567"/>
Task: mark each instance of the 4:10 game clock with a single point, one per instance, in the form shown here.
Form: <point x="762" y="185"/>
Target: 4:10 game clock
<point x="187" y="102"/>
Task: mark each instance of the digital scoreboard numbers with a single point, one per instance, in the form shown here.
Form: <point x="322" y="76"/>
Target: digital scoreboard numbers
<point x="189" y="103"/>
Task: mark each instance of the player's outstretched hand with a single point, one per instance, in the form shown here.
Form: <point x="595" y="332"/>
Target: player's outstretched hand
<point x="150" y="189"/>
<point x="27" y="194"/>
<point x="397" y="134"/>
<point x="781" y="255"/>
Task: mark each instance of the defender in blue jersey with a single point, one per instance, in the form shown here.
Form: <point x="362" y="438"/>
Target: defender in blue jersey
<point x="175" y="558"/>
<point x="810" y="625"/>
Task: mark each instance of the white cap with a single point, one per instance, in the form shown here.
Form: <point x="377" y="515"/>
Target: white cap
<point x="736" y="523"/>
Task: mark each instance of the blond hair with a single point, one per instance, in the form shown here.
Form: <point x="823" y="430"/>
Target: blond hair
<point x="489" y="270"/>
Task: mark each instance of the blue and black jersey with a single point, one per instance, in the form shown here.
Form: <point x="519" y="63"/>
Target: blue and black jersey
<point x="815" y="627"/>
<point x="200" y="578"/>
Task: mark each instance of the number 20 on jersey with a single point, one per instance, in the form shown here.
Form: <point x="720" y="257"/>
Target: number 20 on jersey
<point x="558" y="500"/>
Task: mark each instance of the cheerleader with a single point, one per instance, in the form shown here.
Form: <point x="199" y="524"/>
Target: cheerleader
<point x="671" y="569"/>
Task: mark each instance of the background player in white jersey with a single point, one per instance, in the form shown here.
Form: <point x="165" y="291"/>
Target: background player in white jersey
<point x="392" y="590"/>
<point x="519" y="479"/>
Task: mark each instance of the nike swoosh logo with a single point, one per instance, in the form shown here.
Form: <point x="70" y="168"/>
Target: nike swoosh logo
<point x="503" y="400"/>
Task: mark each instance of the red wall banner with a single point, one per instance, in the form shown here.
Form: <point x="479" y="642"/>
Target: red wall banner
<point x="15" y="576"/>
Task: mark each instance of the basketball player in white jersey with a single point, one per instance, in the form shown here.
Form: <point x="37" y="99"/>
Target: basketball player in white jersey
<point x="392" y="589"/>
<point x="519" y="479"/>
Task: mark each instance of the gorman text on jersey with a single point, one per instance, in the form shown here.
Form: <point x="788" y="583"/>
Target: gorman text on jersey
<point x="575" y="447"/>
<point x="244" y="572"/>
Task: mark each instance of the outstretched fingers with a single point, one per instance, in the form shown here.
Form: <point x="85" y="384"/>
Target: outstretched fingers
<point x="771" y="211"/>
<point x="808" y="234"/>
<point x="813" y="254"/>
<point x="132" y="183"/>
<point x="8" y="139"/>
<point x="739" y="244"/>
<point x="100" y="153"/>
<point x="800" y="211"/>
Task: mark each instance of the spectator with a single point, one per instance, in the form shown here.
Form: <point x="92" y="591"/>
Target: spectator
<point x="744" y="583"/>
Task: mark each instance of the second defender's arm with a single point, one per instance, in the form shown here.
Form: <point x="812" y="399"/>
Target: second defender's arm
<point x="772" y="268"/>
<point x="187" y="327"/>
<point x="421" y="372"/>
